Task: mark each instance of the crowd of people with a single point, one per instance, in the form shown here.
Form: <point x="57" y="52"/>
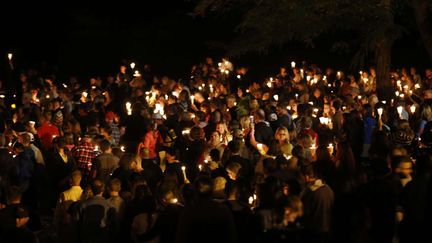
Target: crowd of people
<point x="307" y="155"/>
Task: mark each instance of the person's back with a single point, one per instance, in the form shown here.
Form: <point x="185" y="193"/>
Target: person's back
<point x="105" y="164"/>
<point x="318" y="199"/>
<point x="205" y="220"/>
<point x="97" y="217"/>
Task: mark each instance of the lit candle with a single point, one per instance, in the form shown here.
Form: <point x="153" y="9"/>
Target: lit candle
<point x="413" y="109"/>
<point x="128" y="108"/>
<point x="122" y="148"/>
<point x="238" y="76"/>
<point x="174" y="201"/>
<point x="200" y="167"/>
<point x="276" y="97"/>
<point x="293" y="64"/>
<point x="417" y="86"/>
<point x="324" y="120"/>
<point x="132" y="65"/>
<point x="186" y="131"/>
<point x="10" y="56"/>
<point x="330" y="148"/>
<point x="183" y="168"/>
<point x="359" y="97"/>
<point x="296" y="95"/>
<point x="269" y="84"/>
<point x="250" y="200"/>
<point x="399" y="110"/>
<point x="211" y="88"/>
<point x="397" y="93"/>
<point x="380" y="112"/>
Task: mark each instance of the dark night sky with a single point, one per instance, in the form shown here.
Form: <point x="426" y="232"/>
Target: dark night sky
<point x="92" y="39"/>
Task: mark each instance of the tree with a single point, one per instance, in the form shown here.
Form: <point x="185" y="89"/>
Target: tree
<point x="266" y="23"/>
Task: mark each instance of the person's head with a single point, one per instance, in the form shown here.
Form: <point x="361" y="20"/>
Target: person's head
<point x="203" y="187"/>
<point x="426" y="113"/>
<point x="402" y="166"/>
<point x="215" y="137"/>
<point x="105" y="146"/>
<point x="234" y="146"/>
<point x="233" y="170"/>
<point x="114" y="187"/>
<point x="14" y="195"/>
<point x="215" y="154"/>
<point x="98" y="187"/>
<point x="309" y="173"/>
<point x="282" y="135"/>
<point x="293" y="208"/>
<point x="46" y="117"/>
<point x="75" y="179"/>
<point x="259" y="115"/>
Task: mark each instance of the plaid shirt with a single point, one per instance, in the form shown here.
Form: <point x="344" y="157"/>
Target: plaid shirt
<point x="84" y="154"/>
<point x="115" y="133"/>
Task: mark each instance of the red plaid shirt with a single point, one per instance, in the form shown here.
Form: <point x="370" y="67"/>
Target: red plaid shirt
<point x="84" y="154"/>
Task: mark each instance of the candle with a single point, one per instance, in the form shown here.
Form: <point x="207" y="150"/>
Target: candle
<point x="128" y="108"/>
<point x="399" y="110"/>
<point x="186" y="131"/>
<point x="293" y="64"/>
<point x="10" y="56"/>
<point x="200" y="167"/>
<point x="296" y="95"/>
<point x="132" y="65"/>
<point x="276" y="97"/>
<point x="174" y="201"/>
<point x="324" y="120"/>
<point x="183" y="168"/>
<point x="359" y="97"/>
<point x="238" y="76"/>
<point x="250" y="200"/>
<point x="380" y="111"/>
<point x="397" y="93"/>
<point x="137" y="74"/>
<point x="417" y="86"/>
<point x="330" y="148"/>
<point x="413" y="109"/>
<point x="122" y="148"/>
<point x="269" y="84"/>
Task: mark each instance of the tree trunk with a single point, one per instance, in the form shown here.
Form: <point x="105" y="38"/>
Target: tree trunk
<point x="383" y="64"/>
<point x="423" y="18"/>
<point x="383" y="55"/>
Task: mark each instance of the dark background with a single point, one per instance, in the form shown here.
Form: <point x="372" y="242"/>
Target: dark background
<point x="92" y="39"/>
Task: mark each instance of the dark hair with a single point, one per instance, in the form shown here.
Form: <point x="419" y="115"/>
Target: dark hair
<point x="215" y="154"/>
<point x="97" y="187"/>
<point x="104" y="145"/>
<point x="234" y="146"/>
<point x="203" y="187"/>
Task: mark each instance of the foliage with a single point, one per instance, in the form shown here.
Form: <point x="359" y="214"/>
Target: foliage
<point x="267" y="23"/>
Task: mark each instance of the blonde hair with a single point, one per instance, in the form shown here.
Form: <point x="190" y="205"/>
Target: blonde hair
<point x="283" y="129"/>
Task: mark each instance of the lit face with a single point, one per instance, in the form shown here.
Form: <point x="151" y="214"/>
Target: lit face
<point x="281" y="135"/>
<point x="220" y="128"/>
<point x="290" y="216"/>
<point x="405" y="168"/>
<point x="215" y="137"/>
